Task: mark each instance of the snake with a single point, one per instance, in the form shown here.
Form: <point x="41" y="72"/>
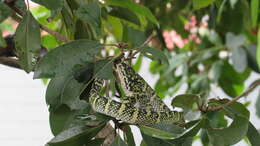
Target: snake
<point x="141" y="105"/>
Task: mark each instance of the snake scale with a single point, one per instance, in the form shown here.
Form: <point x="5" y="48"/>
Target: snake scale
<point x="141" y="106"/>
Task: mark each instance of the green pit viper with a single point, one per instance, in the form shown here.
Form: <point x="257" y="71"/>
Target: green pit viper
<point x="141" y="106"/>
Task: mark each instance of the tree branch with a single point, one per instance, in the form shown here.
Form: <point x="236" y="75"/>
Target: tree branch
<point x="249" y="90"/>
<point x="59" y="36"/>
<point x="11" y="62"/>
<point x="148" y="40"/>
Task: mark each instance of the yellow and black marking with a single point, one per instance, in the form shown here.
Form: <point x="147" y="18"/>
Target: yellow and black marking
<point x="141" y="105"/>
<point x="135" y="86"/>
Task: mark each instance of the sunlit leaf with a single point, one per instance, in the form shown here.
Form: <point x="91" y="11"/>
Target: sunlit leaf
<point x="197" y="4"/>
<point x="50" y="4"/>
<point x="114" y="25"/>
<point x="138" y="63"/>
<point x="254" y="11"/>
<point x="258" y="48"/>
<point x="2" y="40"/>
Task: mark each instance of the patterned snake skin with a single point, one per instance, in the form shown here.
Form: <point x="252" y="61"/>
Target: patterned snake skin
<point x="141" y="105"/>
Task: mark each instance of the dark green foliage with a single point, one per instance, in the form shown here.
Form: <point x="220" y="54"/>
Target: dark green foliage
<point x="226" y="52"/>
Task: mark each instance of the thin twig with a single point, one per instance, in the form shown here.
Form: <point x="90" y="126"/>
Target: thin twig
<point x="18" y="19"/>
<point x="11" y="62"/>
<point x="249" y="90"/>
<point x="54" y="33"/>
<point x="148" y="40"/>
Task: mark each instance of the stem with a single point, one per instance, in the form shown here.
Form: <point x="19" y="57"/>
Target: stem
<point x="249" y="90"/>
<point x="148" y="40"/>
<point x="18" y="19"/>
<point x="11" y="62"/>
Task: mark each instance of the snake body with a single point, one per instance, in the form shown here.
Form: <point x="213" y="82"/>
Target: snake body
<point x="141" y="105"/>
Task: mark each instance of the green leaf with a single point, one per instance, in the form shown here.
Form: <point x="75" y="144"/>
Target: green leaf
<point x="186" y="137"/>
<point x="234" y="41"/>
<point x="215" y="70"/>
<point x="53" y="92"/>
<point x="65" y="58"/>
<point x="51" y="4"/>
<point x="257" y="105"/>
<point x="27" y="41"/>
<point x="2" y="40"/>
<point x="253" y="135"/>
<point x="199" y="84"/>
<point x="239" y="59"/>
<point x="254" y="11"/>
<point x="163" y="130"/>
<point x="118" y="142"/>
<point x="138" y="63"/>
<point x="134" y="7"/>
<point x="230" y="135"/>
<point x="197" y="4"/>
<point x="82" y="30"/>
<point x="76" y="134"/>
<point x="232" y="82"/>
<point x="96" y="142"/>
<point x="91" y="14"/>
<point x="49" y="42"/>
<point x="70" y="93"/>
<point x="235" y="108"/>
<point x="64" y="90"/>
<point x="185" y="100"/>
<point x="152" y="141"/>
<point x="104" y="69"/>
<point x="124" y="14"/>
<point x="5" y="11"/>
<point x="204" y="55"/>
<point x="59" y="119"/>
<point x="114" y="25"/>
<point x="258" y="48"/>
<point x="134" y="37"/>
<point x="156" y="53"/>
<point x="176" y="61"/>
<point x="129" y="136"/>
<point x="251" y="57"/>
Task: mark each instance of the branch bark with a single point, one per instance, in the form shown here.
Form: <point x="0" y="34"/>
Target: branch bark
<point x="11" y="62"/>
<point x="248" y="91"/>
